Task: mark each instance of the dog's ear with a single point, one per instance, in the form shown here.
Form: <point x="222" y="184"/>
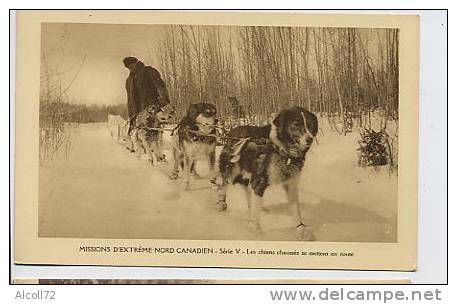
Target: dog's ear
<point x="172" y="109"/>
<point x="213" y="109"/>
<point x="193" y="111"/>
<point x="150" y="109"/>
<point x="279" y="123"/>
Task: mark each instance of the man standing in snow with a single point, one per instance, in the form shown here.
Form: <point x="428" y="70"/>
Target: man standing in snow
<point x="144" y="87"/>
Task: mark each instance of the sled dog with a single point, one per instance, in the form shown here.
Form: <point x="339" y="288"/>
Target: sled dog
<point x="115" y="125"/>
<point x="272" y="154"/>
<point x="145" y="137"/>
<point x="191" y="143"/>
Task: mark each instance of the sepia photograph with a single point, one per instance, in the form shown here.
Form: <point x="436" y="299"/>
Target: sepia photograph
<point x="197" y="131"/>
<point x="218" y="132"/>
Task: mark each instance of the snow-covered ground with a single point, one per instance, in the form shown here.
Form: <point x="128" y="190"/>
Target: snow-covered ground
<point x="104" y="191"/>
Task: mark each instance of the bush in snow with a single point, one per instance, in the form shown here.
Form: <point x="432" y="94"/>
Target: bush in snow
<point x="373" y="150"/>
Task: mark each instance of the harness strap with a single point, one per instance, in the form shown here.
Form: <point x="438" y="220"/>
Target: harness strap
<point x="285" y="154"/>
<point x="199" y="133"/>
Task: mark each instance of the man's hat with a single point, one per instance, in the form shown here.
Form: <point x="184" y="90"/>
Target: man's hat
<point x="129" y="60"/>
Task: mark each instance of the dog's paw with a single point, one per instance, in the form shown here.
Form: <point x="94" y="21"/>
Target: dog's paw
<point x="254" y="226"/>
<point x="196" y="176"/>
<point x="173" y="176"/>
<point x="305" y="233"/>
<point x="221" y="206"/>
<point x="186" y="187"/>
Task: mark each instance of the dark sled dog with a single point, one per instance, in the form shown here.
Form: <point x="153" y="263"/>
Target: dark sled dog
<point x="144" y="137"/>
<point x="272" y="154"/>
<point x="191" y="143"/>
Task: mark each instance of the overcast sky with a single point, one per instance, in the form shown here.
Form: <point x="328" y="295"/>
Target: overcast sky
<point x="102" y="77"/>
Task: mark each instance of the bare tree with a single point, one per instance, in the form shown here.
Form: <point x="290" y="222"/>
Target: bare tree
<point x="53" y="121"/>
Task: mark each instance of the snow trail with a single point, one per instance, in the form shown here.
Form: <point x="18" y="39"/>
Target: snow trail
<point x="104" y="191"/>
